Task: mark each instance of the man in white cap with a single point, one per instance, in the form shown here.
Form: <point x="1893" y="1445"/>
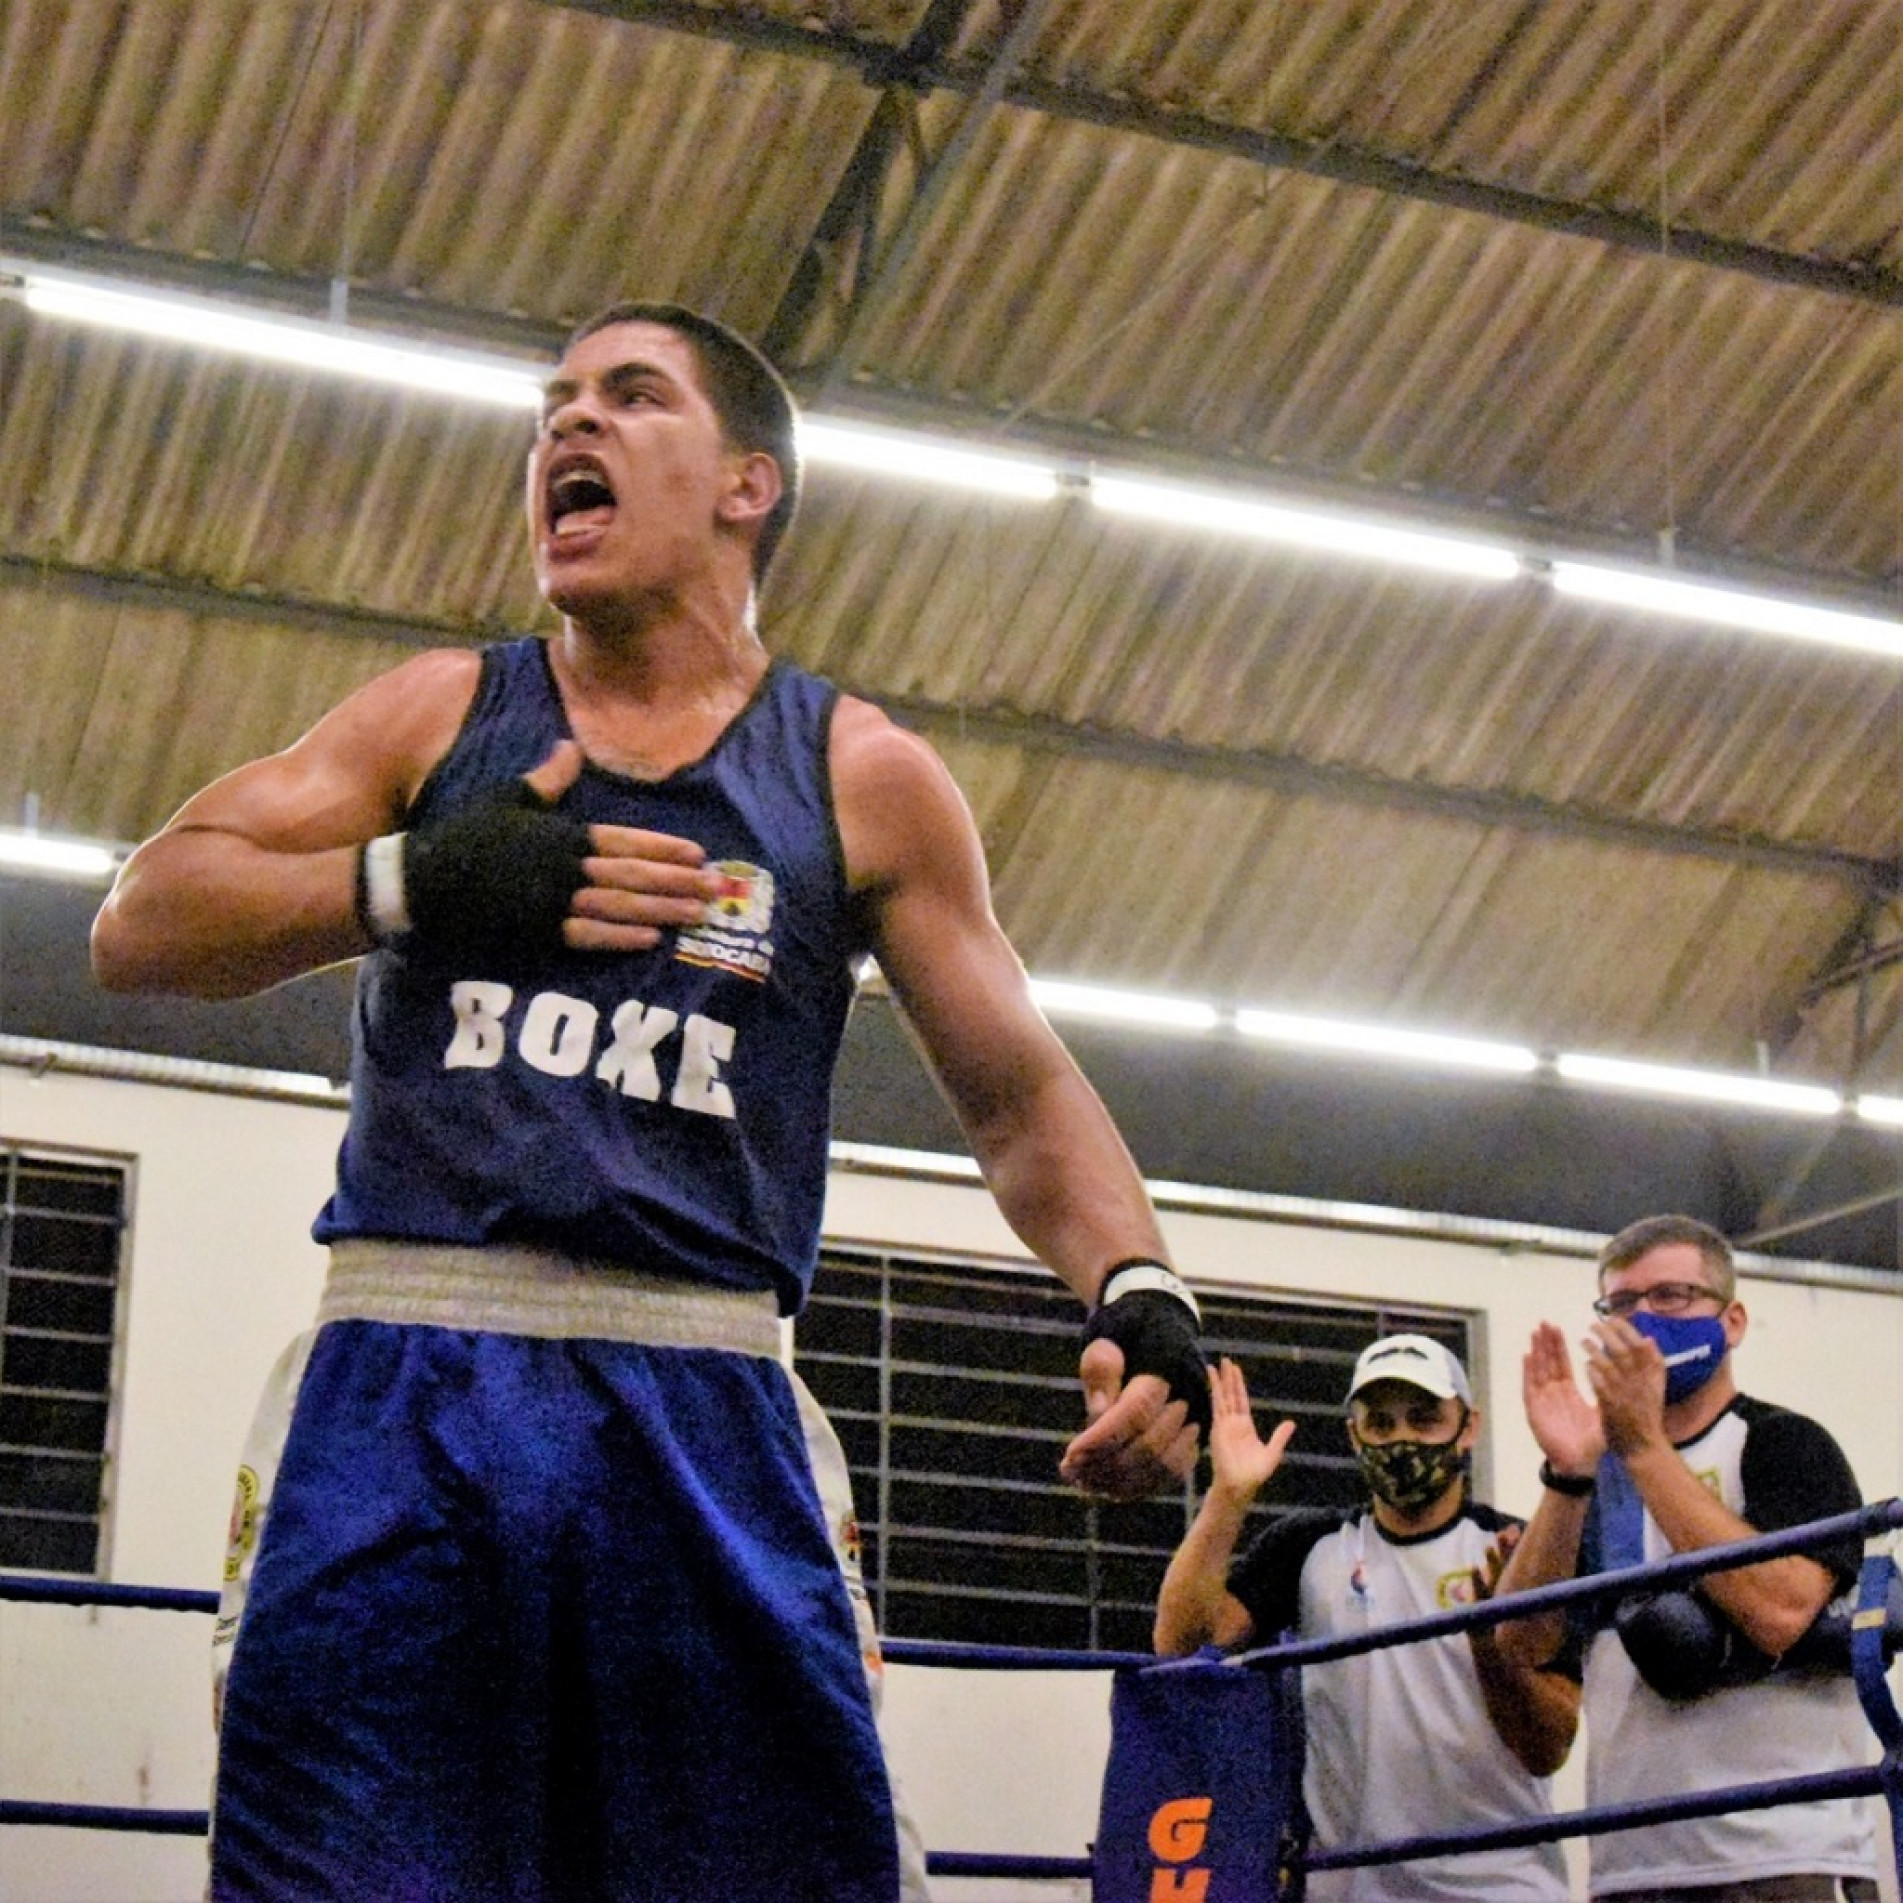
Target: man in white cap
<point x="1434" y="1736"/>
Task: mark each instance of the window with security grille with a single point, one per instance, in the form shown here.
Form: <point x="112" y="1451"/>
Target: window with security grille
<point x="954" y="1389"/>
<point x="62" y="1226"/>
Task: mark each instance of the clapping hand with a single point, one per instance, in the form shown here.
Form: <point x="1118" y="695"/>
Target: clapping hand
<point x="1486" y="1576"/>
<point x="1566" y="1425"/>
<point x="1627" y="1375"/>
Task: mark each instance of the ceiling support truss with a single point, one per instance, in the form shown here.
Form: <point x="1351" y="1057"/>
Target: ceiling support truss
<point x="1041" y="735"/>
<point x="875" y="60"/>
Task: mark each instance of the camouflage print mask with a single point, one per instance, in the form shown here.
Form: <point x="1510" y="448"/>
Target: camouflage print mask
<point x="1408" y="1474"/>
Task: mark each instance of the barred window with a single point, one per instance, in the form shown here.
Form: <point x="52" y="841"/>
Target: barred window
<point x="954" y="1389"/>
<point x="62" y="1225"/>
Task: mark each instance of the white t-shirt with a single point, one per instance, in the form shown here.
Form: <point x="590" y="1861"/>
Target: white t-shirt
<point x="1399" y="1741"/>
<point x="1774" y="1469"/>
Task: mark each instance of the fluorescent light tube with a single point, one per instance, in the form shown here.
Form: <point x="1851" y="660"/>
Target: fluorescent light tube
<point x="1705" y="1086"/>
<point x="1125" y="1007"/>
<point x="1384" y="1040"/>
<point x="1232" y="512"/>
<point x="1658" y="593"/>
<point x="1887" y="1110"/>
<point x="918" y="458"/>
<point x="301" y="343"/>
<point x="82" y="860"/>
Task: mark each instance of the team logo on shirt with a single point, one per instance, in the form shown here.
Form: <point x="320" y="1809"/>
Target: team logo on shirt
<point x="243" y="1533"/>
<point x="734" y="937"/>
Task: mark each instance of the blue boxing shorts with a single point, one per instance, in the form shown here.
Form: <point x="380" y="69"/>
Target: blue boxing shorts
<point x="538" y="1603"/>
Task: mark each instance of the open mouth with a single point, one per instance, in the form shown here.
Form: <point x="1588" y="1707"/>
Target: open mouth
<point x="579" y="497"/>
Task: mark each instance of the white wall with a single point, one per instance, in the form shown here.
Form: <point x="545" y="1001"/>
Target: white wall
<point x="111" y="1707"/>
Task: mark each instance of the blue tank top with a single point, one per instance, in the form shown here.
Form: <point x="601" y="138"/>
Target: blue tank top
<point x="667" y="1109"/>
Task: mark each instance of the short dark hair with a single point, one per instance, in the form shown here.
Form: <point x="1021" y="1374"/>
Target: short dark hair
<point x="1654" y="1232"/>
<point x="756" y="409"/>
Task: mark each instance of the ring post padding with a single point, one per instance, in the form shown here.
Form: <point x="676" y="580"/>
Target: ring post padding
<point x="1868" y="1661"/>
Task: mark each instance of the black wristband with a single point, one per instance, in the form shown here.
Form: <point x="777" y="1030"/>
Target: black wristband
<point x="1573" y="1486"/>
<point x="1157" y="1327"/>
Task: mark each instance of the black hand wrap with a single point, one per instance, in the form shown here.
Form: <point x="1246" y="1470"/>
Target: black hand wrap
<point x="1159" y="1333"/>
<point x="494" y="879"/>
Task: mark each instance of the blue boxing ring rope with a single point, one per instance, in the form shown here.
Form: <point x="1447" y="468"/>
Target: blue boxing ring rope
<point x="1877" y="1524"/>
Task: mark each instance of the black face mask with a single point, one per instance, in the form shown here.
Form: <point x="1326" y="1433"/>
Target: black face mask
<point x="1409" y="1474"/>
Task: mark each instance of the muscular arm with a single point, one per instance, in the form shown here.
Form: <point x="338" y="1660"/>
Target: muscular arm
<point x="1049" y="1152"/>
<point x="253" y="881"/>
<point x="1547" y="1553"/>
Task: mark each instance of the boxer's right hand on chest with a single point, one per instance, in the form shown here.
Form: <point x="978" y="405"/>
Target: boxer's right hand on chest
<point x="496" y="877"/>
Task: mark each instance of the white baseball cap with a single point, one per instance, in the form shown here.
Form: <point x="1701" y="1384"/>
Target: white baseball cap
<point x="1418" y="1360"/>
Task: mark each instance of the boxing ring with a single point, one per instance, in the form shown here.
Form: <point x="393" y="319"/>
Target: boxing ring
<point x="1873" y="1634"/>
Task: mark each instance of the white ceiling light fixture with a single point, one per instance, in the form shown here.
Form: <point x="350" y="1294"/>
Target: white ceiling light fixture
<point x="1703" y="1086"/>
<point x="1657" y="592"/>
<point x="1883" y="1110"/>
<point x="1233" y="512"/>
<point x="516" y="383"/>
<point x="1063" y="999"/>
<point x="47" y="856"/>
<point x="1385" y="1041"/>
<point x="918" y="458"/>
<point x="304" y="344"/>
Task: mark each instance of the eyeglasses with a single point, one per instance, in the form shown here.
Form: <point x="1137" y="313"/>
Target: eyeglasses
<point x="1662" y="1298"/>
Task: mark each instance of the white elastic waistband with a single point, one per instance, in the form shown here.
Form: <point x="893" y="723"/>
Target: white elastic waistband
<point x="541" y="1292"/>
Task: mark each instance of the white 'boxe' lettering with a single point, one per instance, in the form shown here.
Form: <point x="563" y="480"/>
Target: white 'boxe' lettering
<point x="558" y="1034"/>
<point x="706" y="1044"/>
<point x="628" y="1063"/>
<point x="481" y="1037"/>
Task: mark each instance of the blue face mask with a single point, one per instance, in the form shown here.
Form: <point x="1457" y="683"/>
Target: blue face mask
<point x="1693" y="1346"/>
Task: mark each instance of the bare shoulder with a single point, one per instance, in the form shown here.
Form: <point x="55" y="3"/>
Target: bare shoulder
<point x="356" y="770"/>
<point x="897" y="803"/>
<point x="416" y="706"/>
<point x="398" y="725"/>
<point x="871" y="750"/>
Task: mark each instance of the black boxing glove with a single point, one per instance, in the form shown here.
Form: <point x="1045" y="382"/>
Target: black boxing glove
<point x="1151" y="1315"/>
<point x="493" y="879"/>
<point x="1824" y="1646"/>
<point x="1684" y="1647"/>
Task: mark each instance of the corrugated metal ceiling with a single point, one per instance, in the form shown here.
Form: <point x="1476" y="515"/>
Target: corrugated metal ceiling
<point x="1582" y="272"/>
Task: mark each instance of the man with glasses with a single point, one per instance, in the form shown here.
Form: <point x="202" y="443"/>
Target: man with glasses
<point x="1442" y="1735"/>
<point x="1689" y="1690"/>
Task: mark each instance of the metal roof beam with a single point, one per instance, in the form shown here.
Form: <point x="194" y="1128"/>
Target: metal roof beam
<point x="1283" y="773"/>
<point x="1279" y="772"/>
<point x="879" y="63"/>
<point x="876" y="294"/>
<point x="839" y="257"/>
